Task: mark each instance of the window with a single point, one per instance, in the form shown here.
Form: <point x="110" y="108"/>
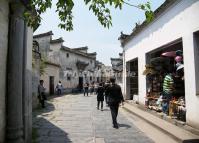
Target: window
<point x="67" y="55"/>
<point x="91" y="61"/>
<point x="91" y="78"/>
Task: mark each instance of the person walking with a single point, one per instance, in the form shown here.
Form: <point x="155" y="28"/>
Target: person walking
<point x="100" y="96"/>
<point x="59" y="88"/>
<point x="86" y="86"/>
<point x="114" y="98"/>
<point x="92" y="88"/>
<point x="41" y="93"/>
<point x="107" y="84"/>
<point x="95" y="88"/>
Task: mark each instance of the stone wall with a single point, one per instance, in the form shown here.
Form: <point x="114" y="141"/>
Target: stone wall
<point x="4" y="10"/>
<point x="35" y="82"/>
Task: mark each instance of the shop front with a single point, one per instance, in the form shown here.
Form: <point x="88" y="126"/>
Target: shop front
<point x="164" y="71"/>
<point x="166" y="52"/>
<point x="132" y="79"/>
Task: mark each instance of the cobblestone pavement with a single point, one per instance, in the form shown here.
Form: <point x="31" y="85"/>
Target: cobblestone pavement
<point x="75" y="119"/>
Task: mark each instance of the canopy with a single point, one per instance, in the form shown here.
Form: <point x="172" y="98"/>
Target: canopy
<point x="169" y="54"/>
<point x="159" y="61"/>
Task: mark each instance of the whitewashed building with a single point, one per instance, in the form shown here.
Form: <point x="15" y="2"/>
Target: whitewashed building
<point x="117" y="67"/>
<point x="72" y="66"/>
<point x="52" y="66"/>
<point x="175" y="27"/>
<point x="77" y="66"/>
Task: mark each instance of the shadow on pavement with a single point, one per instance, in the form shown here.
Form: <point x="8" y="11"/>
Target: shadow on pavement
<point x="48" y="132"/>
<point x="191" y="141"/>
<point x="124" y="125"/>
<point x="44" y="130"/>
<point x="48" y="108"/>
<point x="106" y="110"/>
<point x="49" y="97"/>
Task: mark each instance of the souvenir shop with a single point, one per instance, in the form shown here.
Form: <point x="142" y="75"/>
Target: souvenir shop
<point x="164" y="61"/>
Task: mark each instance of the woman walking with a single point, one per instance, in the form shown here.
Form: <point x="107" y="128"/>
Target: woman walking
<point x="100" y="96"/>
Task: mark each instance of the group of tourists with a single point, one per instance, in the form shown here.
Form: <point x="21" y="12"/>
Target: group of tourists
<point x="113" y="97"/>
<point x="110" y="90"/>
<point x="90" y="88"/>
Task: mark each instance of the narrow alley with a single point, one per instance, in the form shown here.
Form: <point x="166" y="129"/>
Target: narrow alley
<point x="74" y="118"/>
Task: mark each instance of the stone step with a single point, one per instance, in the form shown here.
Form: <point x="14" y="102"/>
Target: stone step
<point x="177" y="133"/>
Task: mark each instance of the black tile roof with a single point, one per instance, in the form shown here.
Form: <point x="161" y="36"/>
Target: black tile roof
<point x="43" y="34"/>
<point x="59" y="40"/>
<point x="125" y="39"/>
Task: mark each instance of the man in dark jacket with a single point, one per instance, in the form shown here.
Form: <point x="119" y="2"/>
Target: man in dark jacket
<point x="107" y="84"/>
<point x="114" y="99"/>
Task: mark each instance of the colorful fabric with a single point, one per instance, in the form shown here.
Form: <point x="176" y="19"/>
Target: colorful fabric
<point x="168" y="84"/>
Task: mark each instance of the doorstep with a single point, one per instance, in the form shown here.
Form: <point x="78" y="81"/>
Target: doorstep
<point x="175" y="129"/>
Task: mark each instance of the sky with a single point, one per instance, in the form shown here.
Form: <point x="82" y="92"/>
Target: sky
<point x="88" y="31"/>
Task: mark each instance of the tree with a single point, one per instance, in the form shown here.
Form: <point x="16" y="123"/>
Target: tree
<point x="64" y="9"/>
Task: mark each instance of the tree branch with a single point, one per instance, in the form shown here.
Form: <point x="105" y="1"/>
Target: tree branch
<point x="132" y="5"/>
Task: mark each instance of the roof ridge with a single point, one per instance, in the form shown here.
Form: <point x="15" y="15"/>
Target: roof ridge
<point x="58" y="40"/>
<point x="49" y="33"/>
<point x="138" y="28"/>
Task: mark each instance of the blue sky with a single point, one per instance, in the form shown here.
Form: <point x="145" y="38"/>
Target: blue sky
<point x="88" y="31"/>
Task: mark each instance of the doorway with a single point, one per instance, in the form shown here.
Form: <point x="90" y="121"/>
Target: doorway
<point x="51" y="85"/>
<point x="80" y="83"/>
<point x="132" y="79"/>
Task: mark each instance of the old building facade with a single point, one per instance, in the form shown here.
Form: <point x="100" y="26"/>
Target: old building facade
<point x="117" y="66"/>
<point x="175" y="28"/>
<point x="72" y="66"/>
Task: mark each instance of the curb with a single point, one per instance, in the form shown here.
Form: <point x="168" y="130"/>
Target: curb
<point x="175" y="122"/>
<point x="179" y="134"/>
<point x="154" y="125"/>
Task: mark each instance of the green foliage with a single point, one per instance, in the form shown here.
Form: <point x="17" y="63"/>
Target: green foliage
<point x="64" y="9"/>
<point x="34" y="9"/>
<point x="148" y="12"/>
<point x="33" y="63"/>
<point x="42" y="65"/>
<point x="99" y="8"/>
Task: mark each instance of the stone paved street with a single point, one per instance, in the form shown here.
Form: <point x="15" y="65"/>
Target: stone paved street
<point x="75" y="119"/>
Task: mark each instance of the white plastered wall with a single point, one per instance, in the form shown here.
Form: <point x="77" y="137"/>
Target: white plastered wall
<point x="179" y="21"/>
<point x="50" y="70"/>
